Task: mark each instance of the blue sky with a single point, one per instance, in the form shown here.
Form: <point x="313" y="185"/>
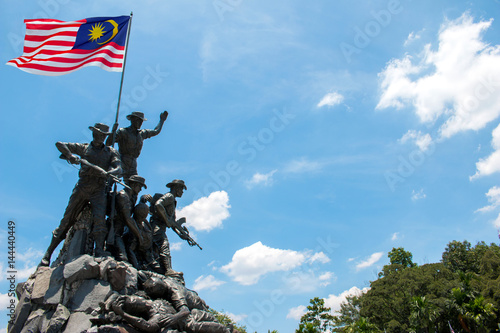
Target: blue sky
<point x="313" y="138"/>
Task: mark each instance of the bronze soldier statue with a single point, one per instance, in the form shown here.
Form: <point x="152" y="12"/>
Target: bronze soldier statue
<point x="98" y="162"/>
<point x="130" y="140"/>
<point x="147" y="315"/>
<point x="164" y="216"/>
<point x="124" y="203"/>
<point x="141" y="255"/>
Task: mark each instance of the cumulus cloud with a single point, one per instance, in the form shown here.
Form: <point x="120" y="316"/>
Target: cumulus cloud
<point x="235" y="317"/>
<point x="296" y="312"/>
<point x="207" y="282"/>
<point x="418" y="195"/>
<point x="422" y="141"/>
<point x="493" y="196"/>
<point x="26" y="263"/>
<point x="265" y="179"/>
<point x="370" y="261"/>
<point x="491" y="164"/>
<point x="307" y="281"/>
<point x="458" y="82"/>
<point x="334" y="302"/>
<point x="249" y="264"/>
<point x="207" y="213"/>
<point x="5" y="300"/>
<point x="331" y="99"/>
<point x="496" y="223"/>
<point x="320" y="257"/>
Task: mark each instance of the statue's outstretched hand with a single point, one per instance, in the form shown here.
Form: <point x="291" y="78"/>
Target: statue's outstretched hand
<point x="164" y="115"/>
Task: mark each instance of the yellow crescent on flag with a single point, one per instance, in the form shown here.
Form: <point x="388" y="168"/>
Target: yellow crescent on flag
<point x="115" y="31"/>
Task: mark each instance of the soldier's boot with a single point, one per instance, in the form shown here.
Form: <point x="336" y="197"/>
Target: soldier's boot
<point x="167" y="263"/>
<point x="120" y="249"/>
<point x="46" y="257"/>
<point x="99" y="245"/>
<point x="155" y="266"/>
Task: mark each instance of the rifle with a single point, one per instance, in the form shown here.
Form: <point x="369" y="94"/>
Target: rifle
<point x="87" y="163"/>
<point x="182" y="231"/>
<point x="113" y="177"/>
<point x="111" y="233"/>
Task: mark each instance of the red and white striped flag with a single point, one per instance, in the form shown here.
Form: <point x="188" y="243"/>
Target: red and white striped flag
<point x="53" y="47"/>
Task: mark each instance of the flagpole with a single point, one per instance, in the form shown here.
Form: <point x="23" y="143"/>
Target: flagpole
<point x="110" y="239"/>
<point x="115" y="126"/>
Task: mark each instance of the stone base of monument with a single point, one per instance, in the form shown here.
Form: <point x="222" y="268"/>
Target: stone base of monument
<point x="71" y="295"/>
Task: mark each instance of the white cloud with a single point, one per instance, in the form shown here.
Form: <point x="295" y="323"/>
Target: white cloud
<point x="235" y="317"/>
<point x="496" y="223"/>
<point x="319" y="256"/>
<point x="331" y="99"/>
<point x="207" y="213"/>
<point x="177" y="246"/>
<point x="307" y="281"/>
<point x="491" y="164"/>
<point x="26" y="263"/>
<point x="296" y="312"/>
<point x="423" y="141"/>
<point x="303" y="165"/>
<point x="326" y="278"/>
<point x="26" y="271"/>
<point x="493" y="195"/>
<point x="207" y="282"/>
<point x="418" y="195"/>
<point x="458" y="82"/>
<point x="334" y="301"/>
<point x="395" y="236"/>
<point x="30" y="255"/>
<point x="5" y="301"/>
<point x="249" y="264"/>
<point x="370" y="261"/>
<point x="265" y="179"/>
<point x="411" y="38"/>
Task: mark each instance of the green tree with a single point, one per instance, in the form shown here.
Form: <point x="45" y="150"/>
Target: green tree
<point x="225" y="320"/>
<point x="399" y="260"/>
<point x="458" y="256"/>
<point x="362" y="325"/>
<point x="348" y="314"/>
<point x="388" y="303"/>
<point x="317" y="319"/>
<point x="423" y="314"/>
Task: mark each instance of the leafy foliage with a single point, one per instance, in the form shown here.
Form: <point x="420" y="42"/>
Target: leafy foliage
<point x="462" y="291"/>
<point x="225" y="320"/>
<point x="317" y="319"/>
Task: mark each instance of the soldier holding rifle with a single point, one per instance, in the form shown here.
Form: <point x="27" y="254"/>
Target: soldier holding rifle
<point x="163" y="216"/>
<point x="98" y="162"/>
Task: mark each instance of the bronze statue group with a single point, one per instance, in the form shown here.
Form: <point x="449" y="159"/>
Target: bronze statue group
<point x="121" y="229"/>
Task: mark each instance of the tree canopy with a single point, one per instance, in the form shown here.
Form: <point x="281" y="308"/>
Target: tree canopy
<point x="462" y="292"/>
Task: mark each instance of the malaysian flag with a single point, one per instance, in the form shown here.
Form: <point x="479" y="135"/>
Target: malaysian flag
<point x="53" y="47"/>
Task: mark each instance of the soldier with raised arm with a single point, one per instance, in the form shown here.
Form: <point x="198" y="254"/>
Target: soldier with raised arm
<point x="130" y="140"/>
<point x="98" y="162"/>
